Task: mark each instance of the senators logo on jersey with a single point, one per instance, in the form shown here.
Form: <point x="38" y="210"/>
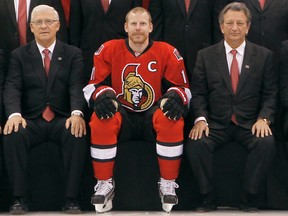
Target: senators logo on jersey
<point x="137" y="95"/>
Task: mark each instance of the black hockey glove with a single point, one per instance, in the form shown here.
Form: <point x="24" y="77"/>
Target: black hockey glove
<point x="173" y="108"/>
<point x="106" y="105"/>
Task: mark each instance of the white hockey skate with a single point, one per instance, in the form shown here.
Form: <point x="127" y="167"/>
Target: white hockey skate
<point x="167" y="194"/>
<point x="104" y="194"/>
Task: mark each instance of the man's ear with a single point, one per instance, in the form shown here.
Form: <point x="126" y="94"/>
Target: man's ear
<point x="151" y="27"/>
<point x="31" y="27"/>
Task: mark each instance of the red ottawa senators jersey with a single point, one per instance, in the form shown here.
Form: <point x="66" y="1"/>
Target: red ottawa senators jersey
<point x="137" y="80"/>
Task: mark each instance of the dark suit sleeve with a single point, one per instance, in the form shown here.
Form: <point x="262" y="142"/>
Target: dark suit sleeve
<point x="155" y="8"/>
<point x="269" y="89"/>
<point x="77" y="82"/>
<point x="199" y="88"/>
<point x="13" y="86"/>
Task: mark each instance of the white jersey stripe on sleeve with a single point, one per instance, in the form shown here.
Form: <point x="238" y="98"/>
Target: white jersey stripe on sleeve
<point x="88" y="91"/>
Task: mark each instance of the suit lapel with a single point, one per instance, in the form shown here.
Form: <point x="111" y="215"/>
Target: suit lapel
<point x="191" y="7"/>
<point x="55" y="65"/>
<point x="181" y="4"/>
<point x="221" y="62"/>
<point x="37" y="62"/>
<point x="246" y="65"/>
<point x="256" y="4"/>
<point x="267" y="4"/>
<point x="101" y="7"/>
<point x="11" y="9"/>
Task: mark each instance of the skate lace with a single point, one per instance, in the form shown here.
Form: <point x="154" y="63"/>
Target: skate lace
<point x="103" y="187"/>
<point x="168" y="186"/>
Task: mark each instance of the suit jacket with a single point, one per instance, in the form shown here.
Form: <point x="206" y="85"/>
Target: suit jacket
<point x="90" y="27"/>
<point x="9" y="37"/>
<point x="283" y="85"/>
<point x="187" y="32"/>
<point x="268" y="28"/>
<point x="2" y="77"/>
<point x="213" y="97"/>
<point x="27" y="90"/>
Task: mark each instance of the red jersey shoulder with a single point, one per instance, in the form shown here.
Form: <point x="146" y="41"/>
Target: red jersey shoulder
<point x="110" y="45"/>
<point x="166" y="48"/>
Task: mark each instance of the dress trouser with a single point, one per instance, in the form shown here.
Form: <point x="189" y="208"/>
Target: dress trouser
<point x="17" y="146"/>
<point x="260" y="152"/>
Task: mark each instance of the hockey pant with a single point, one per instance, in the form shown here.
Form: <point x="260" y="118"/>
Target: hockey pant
<point x="169" y="144"/>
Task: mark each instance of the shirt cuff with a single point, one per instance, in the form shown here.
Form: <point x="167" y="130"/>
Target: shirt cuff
<point x="77" y="112"/>
<point x="14" y="114"/>
<point x="200" y="119"/>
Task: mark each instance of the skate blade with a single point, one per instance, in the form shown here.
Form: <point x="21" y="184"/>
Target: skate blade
<point x="100" y="208"/>
<point x="167" y="207"/>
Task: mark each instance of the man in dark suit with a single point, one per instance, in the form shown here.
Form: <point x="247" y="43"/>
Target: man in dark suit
<point x="90" y="26"/>
<point x="189" y="30"/>
<point x="234" y="90"/>
<point x="43" y="101"/>
<point x="9" y="37"/>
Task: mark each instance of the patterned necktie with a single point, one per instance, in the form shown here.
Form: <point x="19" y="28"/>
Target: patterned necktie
<point x="105" y="5"/>
<point x="262" y="3"/>
<point x="22" y="21"/>
<point x="187" y="3"/>
<point x="234" y="75"/>
<point x="48" y="113"/>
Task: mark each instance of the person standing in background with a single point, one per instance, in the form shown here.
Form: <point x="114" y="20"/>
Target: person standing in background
<point x="186" y="25"/>
<point x="93" y="22"/>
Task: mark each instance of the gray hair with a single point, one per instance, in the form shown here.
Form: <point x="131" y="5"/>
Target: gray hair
<point x="235" y="6"/>
<point x="41" y="8"/>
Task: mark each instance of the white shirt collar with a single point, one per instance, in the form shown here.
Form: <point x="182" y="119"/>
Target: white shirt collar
<point x="240" y="49"/>
<point x="51" y="48"/>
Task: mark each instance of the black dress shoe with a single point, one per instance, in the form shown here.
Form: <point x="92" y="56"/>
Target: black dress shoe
<point x="18" y="207"/>
<point x="207" y="203"/>
<point x="249" y="204"/>
<point x="71" y="206"/>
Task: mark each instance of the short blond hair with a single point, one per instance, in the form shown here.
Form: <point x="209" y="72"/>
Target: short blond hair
<point x="138" y="9"/>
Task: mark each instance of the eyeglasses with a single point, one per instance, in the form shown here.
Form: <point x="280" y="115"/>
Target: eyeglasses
<point x="48" y="22"/>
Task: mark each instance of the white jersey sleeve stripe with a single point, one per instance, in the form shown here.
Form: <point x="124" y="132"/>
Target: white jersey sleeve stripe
<point x="88" y="91"/>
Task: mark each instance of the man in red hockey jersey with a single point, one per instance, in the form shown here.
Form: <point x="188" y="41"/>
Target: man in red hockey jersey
<point x="134" y="80"/>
